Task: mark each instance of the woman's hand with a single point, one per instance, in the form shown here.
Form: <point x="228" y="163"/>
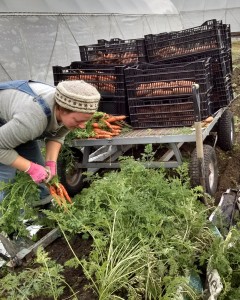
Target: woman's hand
<point x="37" y="172"/>
<point x="51" y="166"/>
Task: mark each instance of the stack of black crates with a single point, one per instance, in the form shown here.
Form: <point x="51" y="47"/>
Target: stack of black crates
<point x="103" y="65"/>
<point x="184" y="49"/>
<point x="150" y="79"/>
<point x="161" y="95"/>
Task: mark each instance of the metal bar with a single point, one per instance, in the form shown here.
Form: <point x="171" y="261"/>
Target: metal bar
<point x="44" y="242"/>
<point x="86" y="153"/>
<point x="102" y="153"/>
<point x="169" y="154"/>
<point x="9" y="246"/>
<point x="115" y="165"/>
<point x="164" y="161"/>
<point x="177" y="152"/>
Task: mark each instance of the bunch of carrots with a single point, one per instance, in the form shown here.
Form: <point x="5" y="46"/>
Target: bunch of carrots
<point x="107" y="126"/>
<point x="59" y="193"/>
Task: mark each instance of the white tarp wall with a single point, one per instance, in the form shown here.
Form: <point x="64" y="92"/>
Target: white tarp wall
<point x="36" y="36"/>
<point x="194" y="13"/>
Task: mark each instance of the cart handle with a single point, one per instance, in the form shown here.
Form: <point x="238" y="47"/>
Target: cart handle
<point x="196" y="102"/>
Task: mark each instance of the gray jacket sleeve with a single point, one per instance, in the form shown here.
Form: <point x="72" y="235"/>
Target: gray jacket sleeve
<point x="26" y="121"/>
<point x="16" y="131"/>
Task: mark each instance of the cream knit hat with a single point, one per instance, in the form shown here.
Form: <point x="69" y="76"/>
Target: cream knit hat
<point x="77" y="95"/>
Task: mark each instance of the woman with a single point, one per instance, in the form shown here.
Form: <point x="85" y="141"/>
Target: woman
<point x="31" y="109"/>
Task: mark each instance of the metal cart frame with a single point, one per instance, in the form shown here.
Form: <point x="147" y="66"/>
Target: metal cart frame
<point x="114" y="147"/>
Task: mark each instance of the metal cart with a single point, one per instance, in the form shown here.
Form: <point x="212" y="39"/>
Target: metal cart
<point x="91" y="155"/>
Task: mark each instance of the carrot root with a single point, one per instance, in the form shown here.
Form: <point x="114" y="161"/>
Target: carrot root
<point x="103" y="136"/>
<point x="115" y="118"/>
<point x="65" y="193"/>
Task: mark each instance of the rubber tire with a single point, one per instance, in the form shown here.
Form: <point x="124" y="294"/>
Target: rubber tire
<point x="211" y="169"/>
<point x="73" y="180"/>
<point x="225" y="131"/>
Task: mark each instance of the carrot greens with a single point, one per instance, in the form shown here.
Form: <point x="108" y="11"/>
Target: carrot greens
<point x="17" y="204"/>
<point x="150" y="234"/>
<point x="142" y="208"/>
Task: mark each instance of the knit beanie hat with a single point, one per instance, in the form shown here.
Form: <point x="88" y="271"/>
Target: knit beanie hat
<point x="77" y="95"/>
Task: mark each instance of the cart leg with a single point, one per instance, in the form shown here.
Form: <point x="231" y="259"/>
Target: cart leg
<point x="200" y="155"/>
<point x="175" y="147"/>
<point x="86" y="153"/>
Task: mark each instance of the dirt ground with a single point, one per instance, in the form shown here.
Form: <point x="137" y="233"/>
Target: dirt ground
<point x="74" y="277"/>
<point x="229" y="162"/>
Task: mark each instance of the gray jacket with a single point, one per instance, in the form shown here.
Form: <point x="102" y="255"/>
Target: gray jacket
<point x="26" y="121"/>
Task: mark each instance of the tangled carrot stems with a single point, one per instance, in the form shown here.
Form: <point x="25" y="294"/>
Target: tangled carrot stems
<point x="106" y="126"/>
<point x="59" y="194"/>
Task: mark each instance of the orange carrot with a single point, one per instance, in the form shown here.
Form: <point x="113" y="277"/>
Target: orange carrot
<point x="61" y="196"/>
<point x="116" y="127"/>
<point x="59" y="192"/>
<point x="65" y="193"/>
<point x="115" y="118"/>
<point x="95" y="125"/>
<point x="103" y="136"/>
<point x="53" y="192"/>
<point x="108" y="124"/>
<point x="116" y="131"/>
<point x="100" y="131"/>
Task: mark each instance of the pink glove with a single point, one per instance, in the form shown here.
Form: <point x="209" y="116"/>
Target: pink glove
<point x="37" y="172"/>
<point x="51" y="166"/>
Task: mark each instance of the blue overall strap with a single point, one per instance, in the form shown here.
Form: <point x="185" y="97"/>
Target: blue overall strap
<point x="23" y="86"/>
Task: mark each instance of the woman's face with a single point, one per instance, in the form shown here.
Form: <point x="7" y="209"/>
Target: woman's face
<point x="73" y="120"/>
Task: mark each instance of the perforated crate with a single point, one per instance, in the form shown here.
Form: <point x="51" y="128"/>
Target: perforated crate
<point x="222" y="93"/>
<point x="115" y="52"/>
<point x="109" y="80"/>
<point x="198" y="71"/>
<point x="227" y="36"/>
<point x="198" y="39"/>
<point x="147" y="81"/>
<point x="220" y="61"/>
<point x="115" y="106"/>
<point x="158" y="113"/>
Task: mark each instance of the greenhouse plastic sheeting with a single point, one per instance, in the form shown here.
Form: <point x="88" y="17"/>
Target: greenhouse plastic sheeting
<point x="90" y="6"/>
<point x="32" y="44"/>
<point x="36" y="35"/>
<point x="194" y="12"/>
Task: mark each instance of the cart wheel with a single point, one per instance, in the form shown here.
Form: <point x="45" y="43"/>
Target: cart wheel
<point x="211" y="169"/>
<point x="225" y="131"/>
<point x="71" y="178"/>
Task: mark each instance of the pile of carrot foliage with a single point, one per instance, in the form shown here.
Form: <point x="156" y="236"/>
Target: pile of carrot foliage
<point x="150" y="234"/>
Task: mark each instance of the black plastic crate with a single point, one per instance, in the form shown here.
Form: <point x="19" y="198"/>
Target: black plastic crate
<point x="151" y="81"/>
<point x="222" y="93"/>
<point x="227" y="36"/>
<point x="165" y="113"/>
<point x="198" y="71"/>
<point x="109" y="80"/>
<point x="220" y="61"/>
<point x="115" y="52"/>
<point x="114" y="106"/>
<point x="198" y="39"/>
<point x="219" y="83"/>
